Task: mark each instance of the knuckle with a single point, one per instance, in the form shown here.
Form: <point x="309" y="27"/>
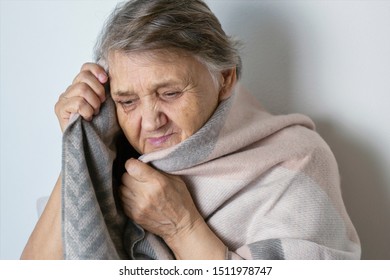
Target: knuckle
<point x="86" y="66"/>
<point x="78" y="78"/>
<point x="142" y="209"/>
<point x="82" y="89"/>
<point x="80" y="102"/>
<point x="101" y="90"/>
<point x="155" y="194"/>
<point x="161" y="184"/>
<point x="149" y="198"/>
<point x="83" y="76"/>
<point x="57" y="107"/>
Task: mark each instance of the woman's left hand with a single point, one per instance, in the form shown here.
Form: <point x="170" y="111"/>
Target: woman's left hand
<point x="160" y="203"/>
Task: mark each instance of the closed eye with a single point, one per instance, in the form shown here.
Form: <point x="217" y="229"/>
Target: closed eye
<point x="128" y="102"/>
<point x="171" y="95"/>
<point x="128" y="105"/>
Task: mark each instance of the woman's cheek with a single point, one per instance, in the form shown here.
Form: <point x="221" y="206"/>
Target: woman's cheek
<point x="130" y="127"/>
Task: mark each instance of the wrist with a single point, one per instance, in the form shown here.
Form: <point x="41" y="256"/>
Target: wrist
<point x="197" y="241"/>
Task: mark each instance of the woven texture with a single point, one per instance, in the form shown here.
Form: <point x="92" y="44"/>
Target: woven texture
<point x="268" y="186"/>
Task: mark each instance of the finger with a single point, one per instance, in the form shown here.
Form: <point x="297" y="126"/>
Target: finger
<point x="125" y="192"/>
<point x="66" y="107"/>
<point x="140" y="171"/>
<point x="83" y="90"/>
<point x="86" y="77"/>
<point x="97" y="70"/>
<point x="127" y="200"/>
<point x="81" y="106"/>
<point x="127" y="182"/>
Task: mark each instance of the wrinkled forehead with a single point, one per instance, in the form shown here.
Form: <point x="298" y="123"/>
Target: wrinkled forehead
<point x="184" y="64"/>
<point x="160" y="56"/>
<point x="147" y="71"/>
<point x="120" y="63"/>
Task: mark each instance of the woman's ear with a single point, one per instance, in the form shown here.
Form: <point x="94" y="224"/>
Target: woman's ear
<point x="229" y="79"/>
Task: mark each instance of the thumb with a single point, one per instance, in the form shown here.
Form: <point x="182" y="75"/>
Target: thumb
<point x="139" y="170"/>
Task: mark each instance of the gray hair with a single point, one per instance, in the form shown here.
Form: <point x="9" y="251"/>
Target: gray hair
<point x="188" y="25"/>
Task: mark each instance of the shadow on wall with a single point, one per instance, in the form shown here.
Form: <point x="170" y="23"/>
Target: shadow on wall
<point x="268" y="58"/>
<point x="364" y="190"/>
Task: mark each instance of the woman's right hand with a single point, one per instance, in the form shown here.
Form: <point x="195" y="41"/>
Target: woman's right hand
<point x="84" y="96"/>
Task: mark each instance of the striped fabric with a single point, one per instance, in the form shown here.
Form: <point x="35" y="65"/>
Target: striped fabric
<point x="268" y="186"/>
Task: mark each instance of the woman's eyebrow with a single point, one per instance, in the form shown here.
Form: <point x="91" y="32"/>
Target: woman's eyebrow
<point x="122" y="93"/>
<point x="182" y="82"/>
<point x="157" y="85"/>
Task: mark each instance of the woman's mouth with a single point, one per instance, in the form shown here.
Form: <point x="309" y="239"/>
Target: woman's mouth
<point x="159" y="141"/>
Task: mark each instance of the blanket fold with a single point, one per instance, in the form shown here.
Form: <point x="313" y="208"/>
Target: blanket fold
<point x="268" y="186"/>
<point x="92" y="223"/>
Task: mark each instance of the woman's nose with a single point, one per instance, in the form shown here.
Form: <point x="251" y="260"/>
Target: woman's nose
<point x="152" y="118"/>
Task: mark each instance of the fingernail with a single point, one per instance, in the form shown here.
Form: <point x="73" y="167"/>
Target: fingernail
<point x="102" y="78"/>
<point x="130" y="166"/>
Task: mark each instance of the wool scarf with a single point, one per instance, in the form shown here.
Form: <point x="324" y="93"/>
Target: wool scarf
<point x="267" y="185"/>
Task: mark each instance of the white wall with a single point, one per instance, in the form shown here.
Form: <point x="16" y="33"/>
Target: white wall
<point x="327" y="59"/>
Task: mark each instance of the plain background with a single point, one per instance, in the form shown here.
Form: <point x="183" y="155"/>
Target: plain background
<point x="327" y="59"/>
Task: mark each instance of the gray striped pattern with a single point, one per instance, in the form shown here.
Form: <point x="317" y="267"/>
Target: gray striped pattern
<point x="266" y="185"/>
<point x="92" y="226"/>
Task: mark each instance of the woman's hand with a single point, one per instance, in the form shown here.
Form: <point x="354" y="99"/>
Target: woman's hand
<point x="162" y="204"/>
<point x="158" y="202"/>
<point x="84" y="96"/>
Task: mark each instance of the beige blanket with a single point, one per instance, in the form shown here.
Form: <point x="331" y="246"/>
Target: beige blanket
<point x="268" y="186"/>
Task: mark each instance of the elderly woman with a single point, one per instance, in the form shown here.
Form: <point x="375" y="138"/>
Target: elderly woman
<point x="206" y="173"/>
